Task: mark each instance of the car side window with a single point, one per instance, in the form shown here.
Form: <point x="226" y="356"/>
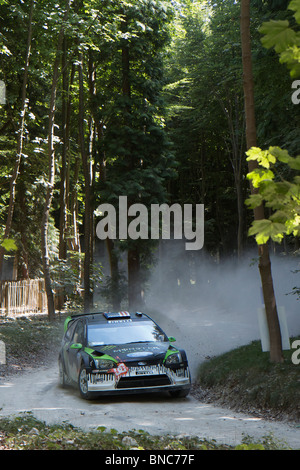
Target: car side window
<point x="78" y="336"/>
<point x="70" y="331"/>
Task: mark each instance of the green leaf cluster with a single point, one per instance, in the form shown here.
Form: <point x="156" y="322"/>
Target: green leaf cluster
<point x="282" y="197"/>
<point x="284" y="37"/>
<point x="120" y="131"/>
<point x="9" y="244"/>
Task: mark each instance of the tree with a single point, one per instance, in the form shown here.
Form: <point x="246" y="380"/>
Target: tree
<point x="137" y="158"/>
<point x="279" y="193"/>
<point x="205" y="119"/>
<point x="264" y="258"/>
<point x="20" y="138"/>
<point x="51" y="156"/>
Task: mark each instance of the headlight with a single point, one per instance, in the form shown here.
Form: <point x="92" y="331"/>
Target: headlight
<point x="173" y="359"/>
<point x="104" y="364"/>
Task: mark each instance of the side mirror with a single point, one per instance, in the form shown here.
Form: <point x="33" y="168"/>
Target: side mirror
<point x="171" y="339"/>
<point x="76" y="346"/>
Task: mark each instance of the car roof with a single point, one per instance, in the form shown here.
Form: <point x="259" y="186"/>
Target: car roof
<point x="109" y="317"/>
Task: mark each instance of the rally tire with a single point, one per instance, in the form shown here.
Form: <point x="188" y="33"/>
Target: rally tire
<point x="83" y="385"/>
<point x="63" y="380"/>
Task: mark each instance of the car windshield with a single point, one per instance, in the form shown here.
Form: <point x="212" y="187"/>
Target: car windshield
<point x="124" y="333"/>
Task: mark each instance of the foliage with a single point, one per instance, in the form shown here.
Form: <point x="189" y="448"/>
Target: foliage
<point x="276" y="179"/>
<point x="205" y="118"/>
<point x="66" y="273"/>
<point x="96" y="32"/>
<point x="276" y="193"/>
<point x="114" y="288"/>
<point x="9" y="244"/>
<point x="175" y="135"/>
<point x="204" y="97"/>
<point x="285" y="38"/>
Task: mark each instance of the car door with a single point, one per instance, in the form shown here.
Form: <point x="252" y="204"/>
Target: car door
<point x="67" y="341"/>
<point x="74" y="353"/>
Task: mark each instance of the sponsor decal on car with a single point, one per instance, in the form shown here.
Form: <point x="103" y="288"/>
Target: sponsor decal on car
<point x="139" y="354"/>
<point x="122" y="369"/>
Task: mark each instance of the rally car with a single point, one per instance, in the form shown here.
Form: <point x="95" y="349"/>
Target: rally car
<point x="110" y="353"/>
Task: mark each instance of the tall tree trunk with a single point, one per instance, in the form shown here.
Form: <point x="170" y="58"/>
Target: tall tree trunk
<point x="73" y="232"/>
<point x="65" y="124"/>
<point x="231" y="111"/>
<point x="114" y="274"/>
<point x="134" y="282"/>
<point x="110" y="244"/>
<point x="71" y="192"/>
<point x="87" y="194"/>
<point x="238" y="185"/>
<point x="92" y="158"/>
<point x="133" y="255"/>
<point x="65" y="117"/>
<point x="20" y="137"/>
<point x="251" y="139"/>
<point x="50" y="184"/>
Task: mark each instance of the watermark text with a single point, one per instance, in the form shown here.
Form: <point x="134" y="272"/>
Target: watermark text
<point x="296" y="354"/>
<point x="2" y="92"/>
<point x="136" y="222"/>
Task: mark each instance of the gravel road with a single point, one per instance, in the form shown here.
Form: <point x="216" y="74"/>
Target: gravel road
<point x="38" y="392"/>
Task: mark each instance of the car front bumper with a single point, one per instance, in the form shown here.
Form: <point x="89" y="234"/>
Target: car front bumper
<point x="139" y="379"/>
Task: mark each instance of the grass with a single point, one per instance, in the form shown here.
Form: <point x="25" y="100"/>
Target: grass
<point x="245" y="375"/>
<point x="248" y="377"/>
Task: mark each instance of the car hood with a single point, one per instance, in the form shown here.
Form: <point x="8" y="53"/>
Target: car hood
<point x="135" y="351"/>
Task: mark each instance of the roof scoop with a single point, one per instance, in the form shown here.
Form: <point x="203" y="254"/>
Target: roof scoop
<point x="116" y="315"/>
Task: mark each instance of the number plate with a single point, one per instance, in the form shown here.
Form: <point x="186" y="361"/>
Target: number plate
<point x="144" y="371"/>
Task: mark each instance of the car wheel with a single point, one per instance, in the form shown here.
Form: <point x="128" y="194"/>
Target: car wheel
<point x="63" y="380"/>
<point x="83" y="384"/>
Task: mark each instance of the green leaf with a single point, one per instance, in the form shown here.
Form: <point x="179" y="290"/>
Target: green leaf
<point x="280" y="216"/>
<point x="277" y="34"/>
<point x="263" y="157"/>
<point x="294" y="5"/>
<point x="254" y="200"/>
<point x="260" y="226"/>
<point x="293" y="225"/>
<point x="259" y="175"/>
<point x="291" y="57"/>
<point x="280" y="154"/>
<point x="9" y="244"/>
<point x="253" y="153"/>
<point x="294" y="163"/>
<point x="265" y="229"/>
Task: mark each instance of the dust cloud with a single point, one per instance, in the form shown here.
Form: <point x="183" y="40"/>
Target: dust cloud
<point x="211" y="306"/>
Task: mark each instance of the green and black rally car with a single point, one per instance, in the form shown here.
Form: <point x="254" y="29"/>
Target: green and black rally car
<point x="115" y="353"/>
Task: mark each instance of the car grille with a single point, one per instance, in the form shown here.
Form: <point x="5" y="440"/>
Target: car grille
<point x="145" y="381"/>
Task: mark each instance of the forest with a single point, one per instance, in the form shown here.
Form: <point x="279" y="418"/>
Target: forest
<point x="144" y="99"/>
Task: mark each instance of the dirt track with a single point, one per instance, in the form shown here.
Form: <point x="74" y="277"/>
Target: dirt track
<point x="38" y="392"/>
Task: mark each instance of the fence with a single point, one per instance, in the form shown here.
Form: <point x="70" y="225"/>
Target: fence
<point x="22" y="297"/>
